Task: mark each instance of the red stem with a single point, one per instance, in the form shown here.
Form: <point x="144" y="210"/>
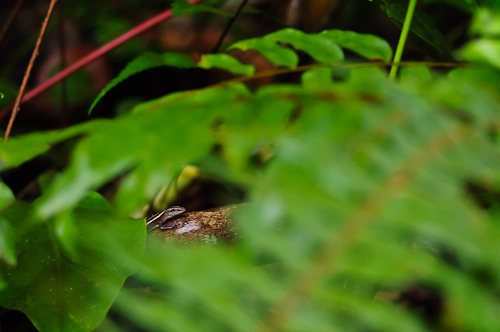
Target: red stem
<point x="93" y="56"/>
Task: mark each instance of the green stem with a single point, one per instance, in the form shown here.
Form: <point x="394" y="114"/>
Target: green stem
<point x="402" y="39"/>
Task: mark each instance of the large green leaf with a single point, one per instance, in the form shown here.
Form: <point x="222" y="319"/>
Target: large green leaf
<point x="62" y="292"/>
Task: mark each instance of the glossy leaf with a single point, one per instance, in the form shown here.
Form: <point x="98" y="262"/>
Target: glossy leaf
<point x="61" y="292"/>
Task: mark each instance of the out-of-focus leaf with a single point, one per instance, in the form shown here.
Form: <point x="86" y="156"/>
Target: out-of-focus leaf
<point x="144" y="62"/>
<point x="60" y="292"/>
<point x="6" y="196"/>
<point x="20" y="149"/>
<point x="486" y="23"/>
<point x="7" y="243"/>
<point x="151" y="143"/>
<point x="317" y="79"/>
<point x="226" y="62"/>
<point x="484" y="51"/>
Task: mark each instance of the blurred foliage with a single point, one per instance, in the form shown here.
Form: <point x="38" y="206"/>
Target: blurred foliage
<point x="362" y="192"/>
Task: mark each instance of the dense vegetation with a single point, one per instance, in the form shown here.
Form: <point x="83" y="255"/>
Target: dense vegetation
<point x="372" y="187"/>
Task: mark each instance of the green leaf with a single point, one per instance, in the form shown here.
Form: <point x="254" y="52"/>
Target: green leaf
<point x="368" y="46"/>
<point x="483" y="51"/>
<point x="61" y="292"/>
<point x="278" y="55"/>
<point x="317" y="79"/>
<point x="152" y="144"/>
<point x="323" y="50"/>
<point x="227" y="62"/>
<point x="7" y="241"/>
<point x="144" y="62"/>
<point x="7" y="246"/>
<point x="323" y="47"/>
<point x="18" y="150"/>
<point x="486" y="23"/>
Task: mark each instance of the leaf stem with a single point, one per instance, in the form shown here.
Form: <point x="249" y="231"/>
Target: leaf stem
<point x="402" y="39"/>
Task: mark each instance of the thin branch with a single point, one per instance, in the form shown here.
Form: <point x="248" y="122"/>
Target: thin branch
<point x="229" y="25"/>
<point x="96" y="54"/>
<point x="28" y="70"/>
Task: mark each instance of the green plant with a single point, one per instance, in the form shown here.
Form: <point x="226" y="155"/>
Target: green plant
<point x="361" y="191"/>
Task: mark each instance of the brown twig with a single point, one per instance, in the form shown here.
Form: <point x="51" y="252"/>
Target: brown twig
<point x="15" y="109"/>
